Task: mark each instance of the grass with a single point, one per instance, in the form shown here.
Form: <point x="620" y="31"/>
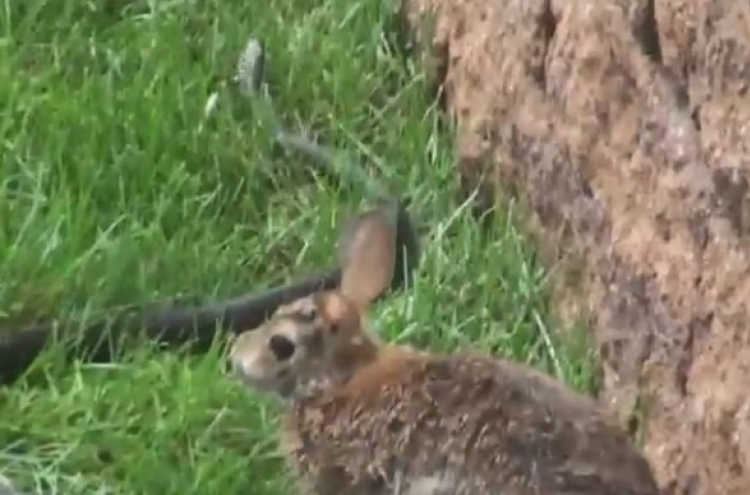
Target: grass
<point x="116" y="188"/>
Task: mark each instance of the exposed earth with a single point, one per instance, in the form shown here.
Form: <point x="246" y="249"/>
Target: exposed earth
<point x="624" y="126"/>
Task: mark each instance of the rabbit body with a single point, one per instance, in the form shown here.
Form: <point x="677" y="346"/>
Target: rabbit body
<point x="463" y="424"/>
<point x="367" y="418"/>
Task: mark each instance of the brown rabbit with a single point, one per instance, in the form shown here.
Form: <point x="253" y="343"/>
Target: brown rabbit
<point x="376" y="419"/>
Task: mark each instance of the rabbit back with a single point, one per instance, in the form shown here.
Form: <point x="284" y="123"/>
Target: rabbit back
<point x="463" y="424"/>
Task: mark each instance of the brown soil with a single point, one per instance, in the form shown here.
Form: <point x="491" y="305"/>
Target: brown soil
<point x="625" y="126"/>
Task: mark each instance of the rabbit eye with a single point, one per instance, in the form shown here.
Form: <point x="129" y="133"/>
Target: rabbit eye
<point x="281" y="347"/>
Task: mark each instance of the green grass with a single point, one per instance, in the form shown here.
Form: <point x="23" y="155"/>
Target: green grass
<point x="115" y="188"/>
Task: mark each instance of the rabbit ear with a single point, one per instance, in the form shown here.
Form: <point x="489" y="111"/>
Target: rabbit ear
<point x="367" y="256"/>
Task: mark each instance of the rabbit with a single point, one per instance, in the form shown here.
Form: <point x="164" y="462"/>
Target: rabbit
<point x="365" y="417"/>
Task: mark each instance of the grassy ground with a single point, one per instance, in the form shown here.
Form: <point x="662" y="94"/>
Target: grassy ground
<point x="116" y="189"/>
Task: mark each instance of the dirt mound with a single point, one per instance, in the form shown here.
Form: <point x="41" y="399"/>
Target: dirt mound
<point x="625" y="126"/>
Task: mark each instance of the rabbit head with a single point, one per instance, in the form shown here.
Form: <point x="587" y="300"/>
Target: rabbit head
<point x="318" y="341"/>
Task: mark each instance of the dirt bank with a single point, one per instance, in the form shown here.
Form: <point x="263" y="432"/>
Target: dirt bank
<point x="625" y="126"/>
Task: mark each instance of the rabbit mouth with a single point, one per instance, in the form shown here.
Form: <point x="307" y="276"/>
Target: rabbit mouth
<point x="281" y="384"/>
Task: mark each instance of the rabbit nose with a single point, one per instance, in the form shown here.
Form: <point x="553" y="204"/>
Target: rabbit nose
<point x="241" y="357"/>
<point x="241" y="365"/>
<point x="237" y="367"/>
<point x="234" y="365"/>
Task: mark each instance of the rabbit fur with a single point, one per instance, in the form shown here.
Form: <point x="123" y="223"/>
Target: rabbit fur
<point x="368" y="418"/>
